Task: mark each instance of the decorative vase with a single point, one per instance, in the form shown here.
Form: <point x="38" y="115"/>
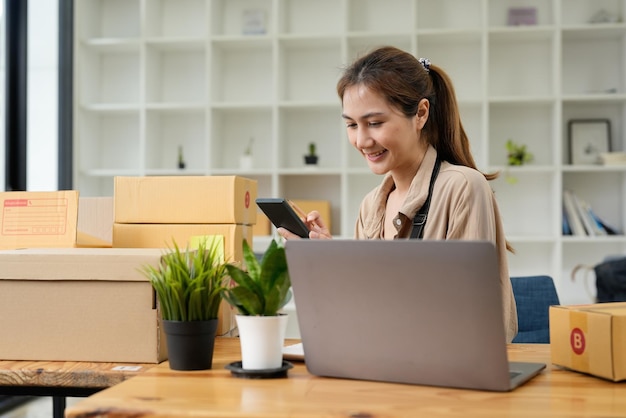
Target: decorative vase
<point x="190" y="343"/>
<point x="262" y="339"/>
<point x="310" y="159"/>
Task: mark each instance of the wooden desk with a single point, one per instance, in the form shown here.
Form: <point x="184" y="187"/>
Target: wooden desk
<point x="161" y="392"/>
<point x="60" y="379"/>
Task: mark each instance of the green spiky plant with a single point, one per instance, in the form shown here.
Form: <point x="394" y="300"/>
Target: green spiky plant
<point x="262" y="289"/>
<point x="189" y="284"/>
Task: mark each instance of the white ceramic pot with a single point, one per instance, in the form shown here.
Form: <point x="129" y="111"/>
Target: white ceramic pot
<point x="245" y="162"/>
<point x="262" y="339"/>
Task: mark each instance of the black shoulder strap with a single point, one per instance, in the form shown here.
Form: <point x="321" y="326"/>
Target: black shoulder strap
<point x="420" y="217"/>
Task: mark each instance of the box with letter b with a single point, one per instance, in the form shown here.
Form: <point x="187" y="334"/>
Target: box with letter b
<point x="590" y="339"/>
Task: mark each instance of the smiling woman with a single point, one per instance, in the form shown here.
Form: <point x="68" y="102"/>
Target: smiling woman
<point x="401" y="115"/>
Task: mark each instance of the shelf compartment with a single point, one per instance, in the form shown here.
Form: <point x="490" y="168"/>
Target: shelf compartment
<point x="175" y="72"/>
<point x="581" y="289"/>
<point x="300" y="126"/>
<point x="301" y="62"/>
<point x="231" y="132"/>
<point x="359" y="45"/>
<point x="449" y="14"/>
<point x="176" y="18"/>
<point x="242" y="72"/>
<point x="167" y="130"/>
<point x="461" y="57"/>
<point x="108" y="76"/>
<point x="526" y="204"/>
<point x="313" y="187"/>
<point x="498" y="12"/>
<point x="108" y="19"/>
<point x="615" y="111"/>
<point x="603" y="191"/>
<point x="521" y="64"/>
<point x="510" y="121"/>
<point x="579" y="12"/>
<point x="109" y="140"/>
<point x="593" y="62"/>
<point x="227" y="17"/>
<point x="532" y="258"/>
<point x="382" y="17"/>
<point x="304" y="17"/>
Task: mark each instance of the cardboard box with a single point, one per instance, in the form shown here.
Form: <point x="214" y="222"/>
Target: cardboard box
<point x="263" y="226"/>
<point x="38" y="219"/>
<point x="322" y="206"/>
<point x="95" y="220"/>
<point x="79" y="304"/>
<point x="163" y="236"/>
<point x="590" y="339"/>
<point x="185" y="200"/>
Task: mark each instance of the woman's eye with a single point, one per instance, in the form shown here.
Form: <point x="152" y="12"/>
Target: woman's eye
<point x="374" y="123"/>
<point x="350" y="125"/>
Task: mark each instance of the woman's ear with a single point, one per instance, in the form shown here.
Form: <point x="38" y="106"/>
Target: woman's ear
<point x="423" y="109"/>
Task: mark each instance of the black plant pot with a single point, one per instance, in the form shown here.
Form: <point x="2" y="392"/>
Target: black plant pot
<point x="310" y="159"/>
<point x="190" y="344"/>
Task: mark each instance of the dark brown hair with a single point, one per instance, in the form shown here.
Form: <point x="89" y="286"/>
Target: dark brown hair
<point x="403" y="81"/>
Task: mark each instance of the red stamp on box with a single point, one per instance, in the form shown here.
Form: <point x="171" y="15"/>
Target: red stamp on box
<point x="577" y="341"/>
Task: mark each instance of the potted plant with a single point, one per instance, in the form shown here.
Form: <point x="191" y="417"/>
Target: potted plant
<point x="245" y="161"/>
<point x="188" y="285"/>
<point x="311" y="158"/>
<point x="258" y="293"/>
<point x="517" y="155"/>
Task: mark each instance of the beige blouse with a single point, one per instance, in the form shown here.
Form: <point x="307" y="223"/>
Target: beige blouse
<point x="463" y="206"/>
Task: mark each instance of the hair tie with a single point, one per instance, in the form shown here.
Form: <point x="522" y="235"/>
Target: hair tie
<point x="425" y="63"/>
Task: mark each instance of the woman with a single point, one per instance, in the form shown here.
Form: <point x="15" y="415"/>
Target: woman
<point x="401" y="115"/>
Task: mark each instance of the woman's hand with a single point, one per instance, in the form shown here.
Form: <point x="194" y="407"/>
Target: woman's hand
<point x="317" y="228"/>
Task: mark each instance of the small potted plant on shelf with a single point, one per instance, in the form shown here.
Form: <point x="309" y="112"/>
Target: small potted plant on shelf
<point x="245" y="161"/>
<point x="517" y="155"/>
<point x="188" y="285"/>
<point x="311" y="158"/>
<point x="258" y="293"/>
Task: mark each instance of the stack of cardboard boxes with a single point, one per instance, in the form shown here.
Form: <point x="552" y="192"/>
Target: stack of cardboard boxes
<point x="65" y="296"/>
<point x="158" y="212"/>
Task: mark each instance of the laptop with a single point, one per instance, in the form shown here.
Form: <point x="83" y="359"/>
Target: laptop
<point x="405" y="311"/>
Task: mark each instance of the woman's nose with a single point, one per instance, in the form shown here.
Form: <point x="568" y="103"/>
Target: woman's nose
<point x="362" y="138"/>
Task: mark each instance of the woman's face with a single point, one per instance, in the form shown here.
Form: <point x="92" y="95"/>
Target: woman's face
<point x="389" y="141"/>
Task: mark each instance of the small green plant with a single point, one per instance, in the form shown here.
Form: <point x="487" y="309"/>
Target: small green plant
<point x="311" y="157"/>
<point x="263" y="288"/>
<point x="188" y="284"/>
<point x="517" y="154"/>
<point x="248" y="150"/>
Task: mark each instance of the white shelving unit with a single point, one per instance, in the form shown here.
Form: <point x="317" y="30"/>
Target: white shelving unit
<point x="156" y="75"/>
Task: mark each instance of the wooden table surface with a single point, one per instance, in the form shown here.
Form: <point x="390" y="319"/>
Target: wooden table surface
<point x="66" y="374"/>
<point x="161" y="392"/>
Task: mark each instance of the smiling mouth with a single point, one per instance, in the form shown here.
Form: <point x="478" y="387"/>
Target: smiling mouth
<point x="374" y="155"/>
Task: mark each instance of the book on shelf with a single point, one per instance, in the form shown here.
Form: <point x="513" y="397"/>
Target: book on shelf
<point x="571" y="212"/>
<point x="580" y="220"/>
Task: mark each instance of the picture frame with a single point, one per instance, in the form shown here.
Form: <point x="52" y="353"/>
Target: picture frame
<point x="588" y="139"/>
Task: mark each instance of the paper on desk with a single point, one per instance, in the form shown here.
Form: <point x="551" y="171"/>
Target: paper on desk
<point x="293" y="352"/>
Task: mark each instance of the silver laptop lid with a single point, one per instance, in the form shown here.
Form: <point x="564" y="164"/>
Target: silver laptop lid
<point x="407" y="311"/>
